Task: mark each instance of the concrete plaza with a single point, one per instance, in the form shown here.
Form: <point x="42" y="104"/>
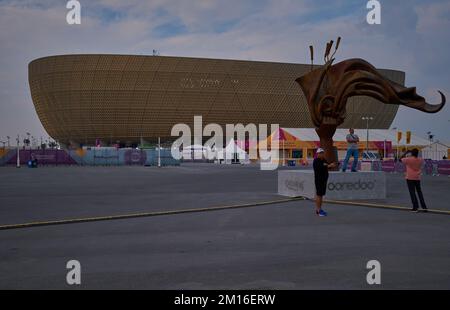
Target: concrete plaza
<point x="276" y="246"/>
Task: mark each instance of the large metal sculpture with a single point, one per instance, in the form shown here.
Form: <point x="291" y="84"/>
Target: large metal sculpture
<point x="328" y="88"/>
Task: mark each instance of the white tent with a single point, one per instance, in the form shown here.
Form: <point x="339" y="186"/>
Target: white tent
<point x="435" y="151"/>
<point x="233" y="154"/>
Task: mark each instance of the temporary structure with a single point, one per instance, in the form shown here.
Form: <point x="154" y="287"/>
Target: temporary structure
<point x="286" y="142"/>
<point x="435" y="151"/>
<point x="233" y="153"/>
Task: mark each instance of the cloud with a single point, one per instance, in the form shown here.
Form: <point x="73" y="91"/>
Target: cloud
<point x="413" y="37"/>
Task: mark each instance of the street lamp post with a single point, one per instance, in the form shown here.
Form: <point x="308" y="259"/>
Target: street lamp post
<point x="397" y="150"/>
<point x="18" y="151"/>
<point x="430" y="138"/>
<point x="367" y="118"/>
<point x="28" y="139"/>
<point x="159" y="152"/>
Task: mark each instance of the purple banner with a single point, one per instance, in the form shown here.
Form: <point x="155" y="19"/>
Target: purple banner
<point x="135" y="157"/>
<point x="388" y="166"/>
<point x="443" y="167"/>
<point x="429" y="167"/>
<point x="44" y="157"/>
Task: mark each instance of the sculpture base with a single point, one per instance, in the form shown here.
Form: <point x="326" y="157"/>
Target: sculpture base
<point x="341" y="185"/>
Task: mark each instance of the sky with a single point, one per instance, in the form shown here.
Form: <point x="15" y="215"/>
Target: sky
<point x="414" y="37"/>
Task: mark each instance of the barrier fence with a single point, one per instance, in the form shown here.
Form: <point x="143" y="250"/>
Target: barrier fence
<point x="430" y="167"/>
<point x="149" y="157"/>
<point x="90" y="157"/>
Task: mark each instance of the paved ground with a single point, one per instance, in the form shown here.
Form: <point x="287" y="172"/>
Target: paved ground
<point x="280" y="246"/>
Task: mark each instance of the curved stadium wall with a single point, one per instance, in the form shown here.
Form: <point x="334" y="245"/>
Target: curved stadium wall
<point x="81" y="98"/>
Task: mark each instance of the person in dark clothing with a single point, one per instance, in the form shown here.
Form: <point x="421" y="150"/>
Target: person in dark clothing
<point x="321" y="167"/>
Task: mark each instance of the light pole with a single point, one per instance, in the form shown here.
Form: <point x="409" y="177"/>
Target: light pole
<point x="430" y="138"/>
<point x="7" y="138"/>
<point x="27" y="142"/>
<point x="159" y="152"/>
<point x="18" y="151"/>
<point x="367" y="118"/>
<point x="399" y="132"/>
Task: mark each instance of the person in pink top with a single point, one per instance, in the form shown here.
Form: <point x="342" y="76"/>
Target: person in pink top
<point x="413" y="165"/>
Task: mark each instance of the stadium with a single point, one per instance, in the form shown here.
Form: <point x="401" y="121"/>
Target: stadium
<point x="125" y="99"/>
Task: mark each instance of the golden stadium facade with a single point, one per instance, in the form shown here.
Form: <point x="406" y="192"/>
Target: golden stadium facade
<point x="126" y="98"/>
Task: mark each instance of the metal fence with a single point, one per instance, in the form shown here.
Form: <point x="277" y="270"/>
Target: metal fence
<point x="90" y="157"/>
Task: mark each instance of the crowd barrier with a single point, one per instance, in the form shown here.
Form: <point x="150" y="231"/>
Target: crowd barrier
<point x="90" y="157"/>
<point x="430" y="167"/>
<point x="106" y="156"/>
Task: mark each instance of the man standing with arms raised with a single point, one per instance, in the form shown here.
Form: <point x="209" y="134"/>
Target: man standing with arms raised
<point x="413" y="175"/>
<point x="352" y="150"/>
